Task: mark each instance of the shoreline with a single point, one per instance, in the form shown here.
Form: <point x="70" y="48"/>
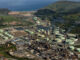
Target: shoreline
<point x="23" y="13"/>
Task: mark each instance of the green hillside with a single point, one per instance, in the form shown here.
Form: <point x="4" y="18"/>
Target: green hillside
<point x="65" y="6"/>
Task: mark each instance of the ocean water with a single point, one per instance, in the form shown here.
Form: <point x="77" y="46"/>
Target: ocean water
<point x="25" y="5"/>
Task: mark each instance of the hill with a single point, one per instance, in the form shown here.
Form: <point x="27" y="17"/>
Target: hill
<point x="4" y="11"/>
<point x="66" y="10"/>
<point x="60" y="8"/>
<point x="65" y="7"/>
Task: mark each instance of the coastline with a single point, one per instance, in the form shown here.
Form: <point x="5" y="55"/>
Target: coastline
<point x="23" y="13"/>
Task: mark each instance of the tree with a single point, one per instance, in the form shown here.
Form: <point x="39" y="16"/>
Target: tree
<point x="45" y="14"/>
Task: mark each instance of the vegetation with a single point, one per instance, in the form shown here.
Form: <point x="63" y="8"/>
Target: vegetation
<point x="8" y="18"/>
<point x="67" y="10"/>
<point x="4" y="11"/>
<point x="4" y="49"/>
<point x="45" y="14"/>
<point x="78" y="46"/>
<point x="6" y="21"/>
<point x="65" y="7"/>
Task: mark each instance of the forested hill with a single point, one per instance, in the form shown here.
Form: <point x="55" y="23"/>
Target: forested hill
<point x="65" y="6"/>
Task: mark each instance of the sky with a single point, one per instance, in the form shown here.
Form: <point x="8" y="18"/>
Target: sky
<point x="22" y="2"/>
<point x="68" y="0"/>
<point x="26" y="4"/>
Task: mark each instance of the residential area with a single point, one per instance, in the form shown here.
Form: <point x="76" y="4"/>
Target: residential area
<point x="40" y="42"/>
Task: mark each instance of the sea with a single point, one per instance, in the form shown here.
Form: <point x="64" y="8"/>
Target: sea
<point x="25" y="5"/>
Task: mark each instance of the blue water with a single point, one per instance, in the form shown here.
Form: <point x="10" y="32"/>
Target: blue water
<point x="25" y="5"/>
